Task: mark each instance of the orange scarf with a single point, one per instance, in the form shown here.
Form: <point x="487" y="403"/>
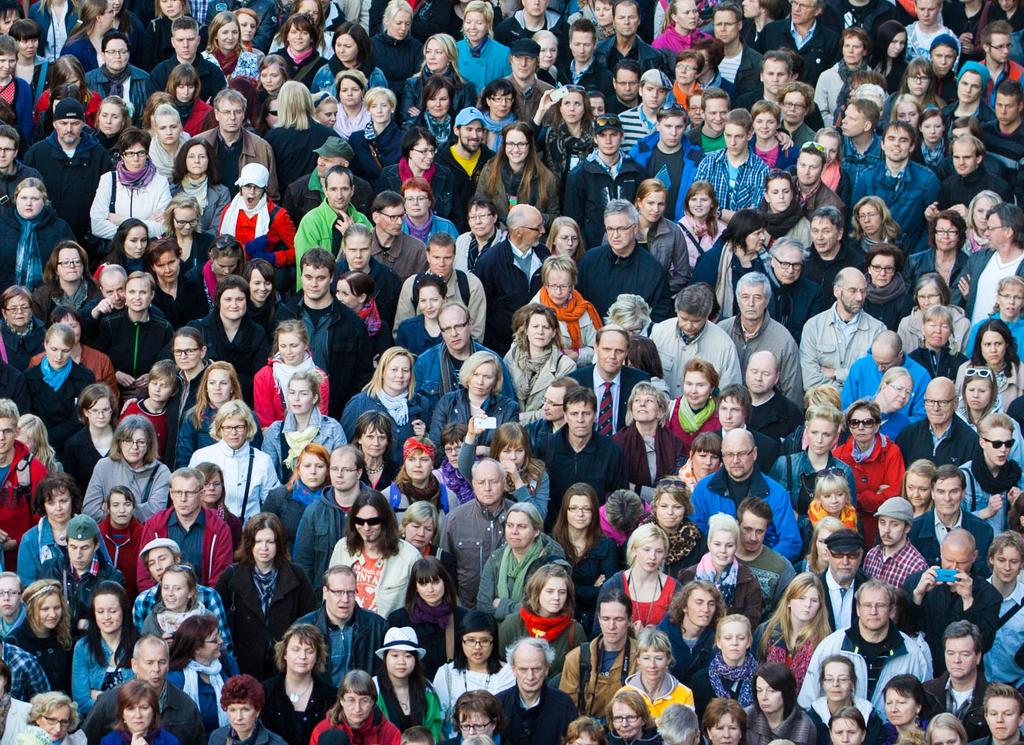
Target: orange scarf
<point x="847" y="517"/>
<point x="682" y="97"/>
<point x="540" y="627"/>
<point x="571" y="314"/>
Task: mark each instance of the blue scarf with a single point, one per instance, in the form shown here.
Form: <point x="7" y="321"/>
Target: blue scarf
<point x="304" y="495"/>
<point x="54" y="378"/>
<point x="28" y="270"/>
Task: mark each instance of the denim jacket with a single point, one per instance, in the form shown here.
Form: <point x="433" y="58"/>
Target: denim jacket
<point x="87" y="675"/>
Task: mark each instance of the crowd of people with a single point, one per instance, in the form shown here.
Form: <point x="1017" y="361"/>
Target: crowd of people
<point x="511" y="372"/>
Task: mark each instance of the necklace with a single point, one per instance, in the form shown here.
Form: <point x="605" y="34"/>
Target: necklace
<point x="296" y="695"/>
<point x="376" y="470"/>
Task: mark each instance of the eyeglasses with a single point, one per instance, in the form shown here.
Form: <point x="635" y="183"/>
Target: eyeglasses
<point x="371" y="521"/>
<point x="619" y="231"/>
<point x="70" y="264"/>
<point x="947" y="232"/>
<point x="341" y="469"/>
<point x="501" y="99"/>
<point x="900" y="388"/>
<point x="737" y="455"/>
<point x="116" y="52"/>
<point x="582" y="510"/>
<point x="342" y="593"/>
<point x="517" y="145"/>
<point x="54" y="720"/>
<point x="179" y="493"/>
<point x="10" y="593"/>
<point x="882" y="269"/>
<point x="999" y="444"/>
<point x="472" y="727"/>
<point x="534" y="228"/>
<point x="183" y="223"/>
<point x="628" y="719"/>
<point x="185" y="352"/>
<point x="425" y="150"/>
<point x="134" y="154"/>
<point x="919" y="78"/>
<point x="560" y="288"/>
<point x="135" y="443"/>
<point x="8" y="150"/>
<point x="859" y="423"/>
<point x="978" y="372"/>
<point x="234" y="429"/>
<point x="938" y="404"/>
<point x="477" y="642"/>
<point x="842" y="680"/>
<point x="791" y="265"/>
<point x="454" y="328"/>
<point x="19" y="309"/>
<point x="391" y="216"/>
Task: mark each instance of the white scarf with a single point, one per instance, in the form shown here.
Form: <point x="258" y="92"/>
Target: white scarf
<point x="397" y="406"/>
<point x="191" y="688"/>
<point x="199" y="190"/>
<point x="283" y="372"/>
<point x="230" y="223"/>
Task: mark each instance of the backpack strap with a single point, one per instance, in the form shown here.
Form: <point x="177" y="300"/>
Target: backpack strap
<point x="463" y="282"/>
<point x="586" y="664"/>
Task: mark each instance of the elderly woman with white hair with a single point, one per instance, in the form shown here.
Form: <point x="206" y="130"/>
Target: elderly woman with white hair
<point x="527" y="548"/>
<point x="56" y="715"/>
<point x="650" y="448"/>
<point x="249" y="474"/>
<point x="631" y="312"/>
<point x="479" y="395"/>
<point x="719" y="566"/>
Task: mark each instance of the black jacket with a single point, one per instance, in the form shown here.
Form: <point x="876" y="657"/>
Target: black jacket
<point x="630" y="377"/>
<point x="12" y="386"/>
<point x="50" y="229"/>
<point x="431" y="637"/>
<point x="858" y="579"/>
<point x="80" y="458"/>
<point x="923" y="262"/>
<point x="368" y="631"/>
<point x="649" y="58"/>
<point x="892" y="312"/>
<point x="922" y="535"/>
<point x="389" y="286"/>
<point x="21" y="348"/>
<point x="776" y="418"/>
<point x="188" y="305"/>
<point x="603" y="276"/>
<point x="255" y="633"/>
<point x="544" y="723"/>
<point x="71" y="182"/>
<point x="748" y="74"/>
<point x="279" y="715"/>
<point x="398" y="60"/>
<point x="819" y="53"/>
<point x="293" y="149"/>
<point x="349" y="366"/>
<point x="507" y="290"/>
<point x="412" y="92"/>
<point x="945" y="366"/>
<point x="957" y="189"/>
<point x="21" y="172"/>
<point x="915" y="441"/>
<point x="248" y="351"/>
<point x="600" y="464"/>
<point x="58" y="409"/>
<point x="594" y="78"/>
<point x="211" y="79"/>
<point x="588" y="189"/>
<point x="464" y="184"/>
<point x="822" y="273"/>
<point x="443" y="186"/>
<point x="132" y="346"/>
<point x="973" y="718"/>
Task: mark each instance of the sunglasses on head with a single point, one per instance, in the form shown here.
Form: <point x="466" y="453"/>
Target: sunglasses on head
<point x="978" y="372"/>
<point x="813" y="146"/>
<point x="371" y="521"/>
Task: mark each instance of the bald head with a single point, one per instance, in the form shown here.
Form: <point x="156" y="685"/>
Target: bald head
<point x="958" y="550"/>
<point x="523" y="214"/>
<point x="738" y="439"/>
<point x="762" y="375"/>
<point x="764" y="359"/>
<point x="887" y="350"/>
<point x="939" y="400"/>
<point x="739" y="454"/>
<point x="850" y="278"/>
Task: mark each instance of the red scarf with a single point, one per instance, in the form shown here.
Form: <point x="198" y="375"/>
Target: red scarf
<point x="571" y="314"/>
<point x="227" y="62"/>
<point x="371" y="317"/>
<point x="405" y="173"/>
<point x="548" y="629"/>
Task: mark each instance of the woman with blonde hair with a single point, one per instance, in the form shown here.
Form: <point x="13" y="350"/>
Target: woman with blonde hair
<point x="894" y="395"/>
<point x="977" y="219"/>
<point x="645" y="581"/>
<point x="292" y="356"/>
<point x="916" y="486"/>
<point x="516" y="174"/>
<point x="249" y="474"/>
<point x="392" y="392"/>
<point x="1009" y="307"/>
<point x="57" y="715"/>
<point x="656" y="686"/>
<point x="547" y="613"/>
<point x="565" y="239"/>
<point x="535" y="358"/>
<point x="816" y="560"/>
<point x="930" y="289"/>
<point x="871" y="222"/>
<point x="46" y="631"/>
<point x="167" y="134"/>
<point x="739" y="587"/>
<point x="217" y="385"/>
<point x="798" y="624"/>
<point x="730" y="673"/>
<point x="479" y="395"/>
<point x="296" y="134"/>
<point x="224" y="48"/>
<point x="578" y="319"/>
<point x="379" y="143"/>
<point x="480" y="59"/>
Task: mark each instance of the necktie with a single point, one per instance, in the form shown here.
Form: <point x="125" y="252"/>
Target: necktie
<point x="604" y="413"/>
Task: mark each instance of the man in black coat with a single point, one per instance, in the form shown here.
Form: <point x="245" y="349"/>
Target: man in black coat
<point x="338" y="339"/>
<point x="71" y="182"/>
<point x="534" y="711"/>
<point x="510" y="273"/>
<point x="185" y="40"/>
<point x="795" y="299"/>
<point x="341" y="620"/>
<point x="470" y="148"/>
<point x="610" y="372"/>
<point x="820" y="45"/>
<point x="929" y="531"/>
<point x="936" y="600"/>
<point x="969" y="177"/>
<point x="941" y="437"/>
<point x="961" y="689"/>
<point x="843" y="577"/>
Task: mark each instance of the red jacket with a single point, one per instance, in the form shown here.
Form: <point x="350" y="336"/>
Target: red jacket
<point x="16" y="492"/>
<point x="267" y="400"/>
<point x="883" y="466"/>
<point x="281" y="230"/>
<point x="194" y="124"/>
<point x="217" y="553"/>
<point x="124" y="554"/>
<point x="375" y="731"/>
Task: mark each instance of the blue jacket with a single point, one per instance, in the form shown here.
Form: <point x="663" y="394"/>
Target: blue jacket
<point x="427" y="372"/>
<point x="44" y="18"/>
<point x="162" y="737"/>
<point x="207" y="704"/>
<point x="1016" y="328"/>
<point x="855" y="163"/>
<point x="641" y="153"/>
<point x="864" y="378"/>
<point x="419" y="408"/>
<point x="712" y="496"/>
<point x="916" y="188"/>
<point x="489" y="63"/>
<point x="24" y="102"/>
<point x="922" y="535"/>
<point x="87" y="674"/>
<point x="36" y="548"/>
<point x="329" y="434"/>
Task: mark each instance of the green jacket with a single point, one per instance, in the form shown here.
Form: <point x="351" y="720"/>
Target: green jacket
<point x="315" y="231"/>
<point x="432" y="720"/>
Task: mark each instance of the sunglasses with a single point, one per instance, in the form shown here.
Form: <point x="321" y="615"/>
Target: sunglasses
<point x="813" y="146"/>
<point x="999" y="444"/>
<point x="371" y="521"/>
<point x="607" y="120"/>
<point x="858" y="423"/>
<point x="978" y="372"/>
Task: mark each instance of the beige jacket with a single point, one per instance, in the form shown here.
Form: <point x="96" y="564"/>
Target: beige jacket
<point x="531" y="406"/>
<point x="712" y="344"/>
<point x="394" y="578"/>
<point x="911" y="335"/>
<point x="823" y="344"/>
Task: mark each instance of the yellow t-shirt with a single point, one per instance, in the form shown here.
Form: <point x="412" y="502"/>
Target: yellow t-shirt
<point x="468" y="164"/>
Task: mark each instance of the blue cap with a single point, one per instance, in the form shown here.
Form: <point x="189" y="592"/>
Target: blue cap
<point x="978" y="67"/>
<point x="945" y="40"/>
<point x="467" y="115"/>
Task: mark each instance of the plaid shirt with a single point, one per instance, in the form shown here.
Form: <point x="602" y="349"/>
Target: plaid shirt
<point x="207" y="596"/>
<point x="27" y="677"/>
<point x="749" y="188"/>
<point x="895" y="569"/>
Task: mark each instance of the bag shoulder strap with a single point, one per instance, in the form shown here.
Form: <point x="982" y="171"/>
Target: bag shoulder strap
<point x="248" y="482"/>
<point x="149" y="487"/>
<point x="463" y="282"/>
<point x="113" y="190"/>
<point x="585" y="668"/>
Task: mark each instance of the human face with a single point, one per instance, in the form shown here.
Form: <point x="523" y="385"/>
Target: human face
<point x="1008" y="110"/>
<point x="474" y="27"/>
<point x="696" y="390"/>
<point x="357" y="709"/>
<point x="580" y="418"/>
<point x="704" y="463"/>
<point x="851" y="293"/>
<point x="430" y="302"/>
<point x="854" y="123"/>
<point x="482" y="381"/>
<point x="69" y="132"/>
<point x="996" y="457"/>
<point x="185" y="495"/>
<point x="119" y="507"/>
<point x="650" y="556"/>
<point x="157" y="562"/>
<point x="10" y="602"/>
<point x="582" y="46"/>
<point x="943" y="736"/>
<point x="553" y="597"/>
<point x="900" y="708"/>
<point x="57" y="352"/>
<point x="993" y="349"/>
<point x="579" y="512"/>
<point x="627" y="85"/>
<point x="752" y="299"/>
<point x="418" y="466"/>
<point x="897" y="146"/>
<point x="539" y="333"/>
<point x="1006" y="565"/>
<point x="55" y="722"/>
<point x="218" y="387"/>
<point x="344" y="473"/>
<point x="652" y="664"/>
<point x="80" y="553"/>
<point x="752" y="533"/>
<point x="299" y="656"/>
<point x="977" y="395"/>
<point x="264" y="549"/>
<point x="853" y="51"/>
<point x="669" y="513"/>
<point x="174" y="591"/>
<point x="108" y="613"/>
<point x="808" y="170"/>
<point x="477" y="647"/>
<point x="439" y="105"/>
<point x="652" y="207"/>
<point x="389" y="220"/>
<point x="339" y="192"/>
<point x="316" y="283"/>
<point x="567" y="243"/>
<point x="722" y="548"/>
<point x="946" y="494"/>
<point x="553" y="406"/>
<point x="773" y="76"/>
<point x="739" y="459"/>
<point x="962" y="659"/>
<point x="340" y="596"/>
<point x="373" y="443"/>
<point x="892" y="531"/>
<point x="881" y="270"/>
<point x="272" y="78"/>
<point x="1010" y="301"/>
<point x="232" y="304"/>
<point x="873" y="609"/>
<point x="30" y="202"/>
<point x="233" y="432"/>
<point x="299" y="39"/>
<point x="431" y="589"/>
<point x="530" y="669"/>
<point x="524" y="67"/>
<point x="471" y="136"/>
<point x="626" y="19"/>
<point x="725" y="732"/>
<point x="736" y="136"/>
<point x="838" y="684"/>
<point x="230" y="117"/>
<point x="931" y="130"/>
<point x="997" y="51"/>
<point x="399" y="25"/>
<point x="242" y="718"/>
<point x="399" y="663"/>
<point x="766" y="126"/>
<point x="417" y="204"/>
<point x="621" y="232"/>
<point x="730" y="413"/>
<point x="734" y="642"/>
<point x="1003" y="717"/>
<point x="614" y="622"/>
<point x="519" y="531"/>
<point x="369" y="524"/>
<point x="517" y="149"/>
<point x="185" y="43"/>
<point x="291" y="347"/>
<point x="769" y="699"/>
<point x="559" y="284"/>
<point x="312" y="470"/>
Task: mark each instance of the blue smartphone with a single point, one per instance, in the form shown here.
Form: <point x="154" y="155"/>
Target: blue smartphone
<point x="945" y="575"/>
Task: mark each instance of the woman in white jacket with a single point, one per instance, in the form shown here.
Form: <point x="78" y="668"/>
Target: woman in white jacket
<point x="132" y="189"/>
<point x="249" y="474"/>
<point x="854" y="45"/>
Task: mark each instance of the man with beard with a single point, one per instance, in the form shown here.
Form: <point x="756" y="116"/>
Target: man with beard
<point x="466" y="156"/>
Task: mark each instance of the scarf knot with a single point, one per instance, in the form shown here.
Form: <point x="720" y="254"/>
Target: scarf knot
<point x="541" y="627"/>
<point x="726" y="584"/>
<point x="371" y="317"/>
<point x="575" y="307"/>
<point x="691" y="420"/>
<point x="396" y="406"/>
<point x="136" y="180"/>
<point x="28" y="266"/>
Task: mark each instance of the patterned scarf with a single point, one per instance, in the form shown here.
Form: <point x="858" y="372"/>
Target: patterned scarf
<point x="726" y="583"/>
<point x="681" y="540"/>
<point x="456" y="482"/>
<point x="691" y="420"/>
<point x="847" y="516"/>
<point x="5" y="706"/>
<point x="265" y="586"/>
<point x="440" y="128"/>
<point x="397" y="406"/>
<point x="117" y="80"/>
<point x="136" y="180"/>
<point x="571" y="314"/>
<point x="798" y="662"/>
<point x="371" y="317"/>
<point x="530" y="368"/>
<point x="28" y="266"/>
<point x="719" y="671"/>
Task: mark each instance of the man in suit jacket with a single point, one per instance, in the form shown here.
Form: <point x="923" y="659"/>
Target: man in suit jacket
<point x="820" y="44"/>
<point x="843" y="577"/>
<point x="610" y="379"/>
<point x="510" y="273"/>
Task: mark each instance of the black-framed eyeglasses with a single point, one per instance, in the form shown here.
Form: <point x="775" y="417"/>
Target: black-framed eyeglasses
<point x="999" y="444"/>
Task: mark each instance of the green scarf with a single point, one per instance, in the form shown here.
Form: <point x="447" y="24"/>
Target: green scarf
<point x="691" y="420"/>
<point x="297" y="441"/>
<point x="510" y="568"/>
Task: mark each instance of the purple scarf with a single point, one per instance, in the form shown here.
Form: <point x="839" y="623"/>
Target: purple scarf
<point x="456" y="482"/>
<point x="423" y="612"/>
<point x="136" y="180"/>
<point x="421" y="233"/>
